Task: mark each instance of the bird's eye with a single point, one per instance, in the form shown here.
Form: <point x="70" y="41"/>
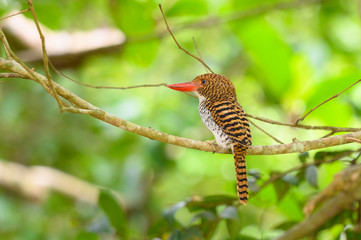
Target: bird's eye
<point x="204" y="81"/>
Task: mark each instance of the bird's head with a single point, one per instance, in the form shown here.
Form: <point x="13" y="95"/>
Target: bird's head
<point x="209" y="86"/>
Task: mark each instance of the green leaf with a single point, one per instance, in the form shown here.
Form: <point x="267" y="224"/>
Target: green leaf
<point x="281" y="187"/>
<point x="270" y="55"/>
<point x="134" y="18"/>
<point x="205" y="216"/>
<point x="169" y="214"/>
<point x="291" y="179"/>
<point x="175" y="235"/>
<point x="192" y="233"/>
<point x="141" y="53"/>
<point x="209" y="202"/>
<point x="115" y="213"/>
<point x="325" y="155"/>
<point x="86" y="236"/>
<point x="188" y="8"/>
<point x="230" y="212"/>
<point x="311" y="175"/>
<point x="255" y="173"/>
<point x="233" y="228"/>
<point x="303" y="156"/>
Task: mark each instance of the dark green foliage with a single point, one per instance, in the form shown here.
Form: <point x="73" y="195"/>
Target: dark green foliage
<point x="113" y="210"/>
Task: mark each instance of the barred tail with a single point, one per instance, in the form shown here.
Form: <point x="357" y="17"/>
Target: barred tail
<point x="239" y="153"/>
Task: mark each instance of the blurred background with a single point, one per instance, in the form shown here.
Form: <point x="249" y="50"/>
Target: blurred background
<point x="284" y="58"/>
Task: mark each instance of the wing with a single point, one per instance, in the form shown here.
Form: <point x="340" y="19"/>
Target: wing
<point x="230" y="116"/>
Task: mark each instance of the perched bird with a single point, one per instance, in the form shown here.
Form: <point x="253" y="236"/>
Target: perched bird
<point x="225" y="118"/>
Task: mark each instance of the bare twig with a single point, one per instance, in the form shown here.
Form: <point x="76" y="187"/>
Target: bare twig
<point x="104" y="87"/>
<point x="329" y="134"/>
<point x="354" y="140"/>
<point x="11" y="54"/>
<point x="268" y="134"/>
<point x="319" y="105"/>
<point x="12" y="15"/>
<point x="199" y="52"/>
<point x="308" y="127"/>
<point x="12" y="75"/>
<point x="179" y="46"/>
<point x="45" y="56"/>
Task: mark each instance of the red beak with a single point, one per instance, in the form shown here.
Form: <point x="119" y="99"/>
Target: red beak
<point x="184" y="87"/>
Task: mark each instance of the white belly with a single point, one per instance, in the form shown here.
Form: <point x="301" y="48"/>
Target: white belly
<point x="221" y="138"/>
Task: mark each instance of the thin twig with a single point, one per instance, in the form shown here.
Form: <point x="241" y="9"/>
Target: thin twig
<point x="268" y="134"/>
<point x="199" y="52"/>
<point x="12" y="15"/>
<point x="179" y="46"/>
<point x="329" y="134"/>
<point x="12" y="55"/>
<point x="319" y="105"/>
<point x="103" y="87"/>
<point x="12" y="75"/>
<point x="45" y="56"/>
<point x="354" y="140"/>
<point x="308" y="127"/>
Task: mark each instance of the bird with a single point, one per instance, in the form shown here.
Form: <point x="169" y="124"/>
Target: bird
<point x="225" y="118"/>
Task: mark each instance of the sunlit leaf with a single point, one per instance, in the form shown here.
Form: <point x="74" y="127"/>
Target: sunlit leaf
<point x="141" y="53"/>
<point x="188" y="8"/>
<point x="134" y="18"/>
<point x="270" y="58"/>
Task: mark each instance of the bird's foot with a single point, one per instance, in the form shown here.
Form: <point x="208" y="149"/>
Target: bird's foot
<point x="212" y="143"/>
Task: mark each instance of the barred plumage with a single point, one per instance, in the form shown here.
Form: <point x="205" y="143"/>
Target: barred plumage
<point x="225" y="118"/>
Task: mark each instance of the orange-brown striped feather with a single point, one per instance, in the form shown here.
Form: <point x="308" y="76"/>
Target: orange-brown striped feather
<point x="218" y="96"/>
<point x="230" y="116"/>
<point x="239" y="154"/>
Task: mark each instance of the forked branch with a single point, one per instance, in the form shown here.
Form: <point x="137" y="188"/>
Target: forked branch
<point x="179" y="46"/>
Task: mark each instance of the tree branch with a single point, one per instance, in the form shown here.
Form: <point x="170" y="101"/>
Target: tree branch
<point x="307" y="127"/>
<point x="14" y="14"/>
<point x="179" y="46"/>
<point x="79" y="105"/>
<point x="45" y="55"/>
<point x="319" y="105"/>
<point x="348" y="182"/>
<point x="37" y="181"/>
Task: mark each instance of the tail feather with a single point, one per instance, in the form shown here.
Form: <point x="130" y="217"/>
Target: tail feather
<point x="239" y="154"/>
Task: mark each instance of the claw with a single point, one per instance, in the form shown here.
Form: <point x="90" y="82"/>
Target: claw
<point x="212" y="143"/>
